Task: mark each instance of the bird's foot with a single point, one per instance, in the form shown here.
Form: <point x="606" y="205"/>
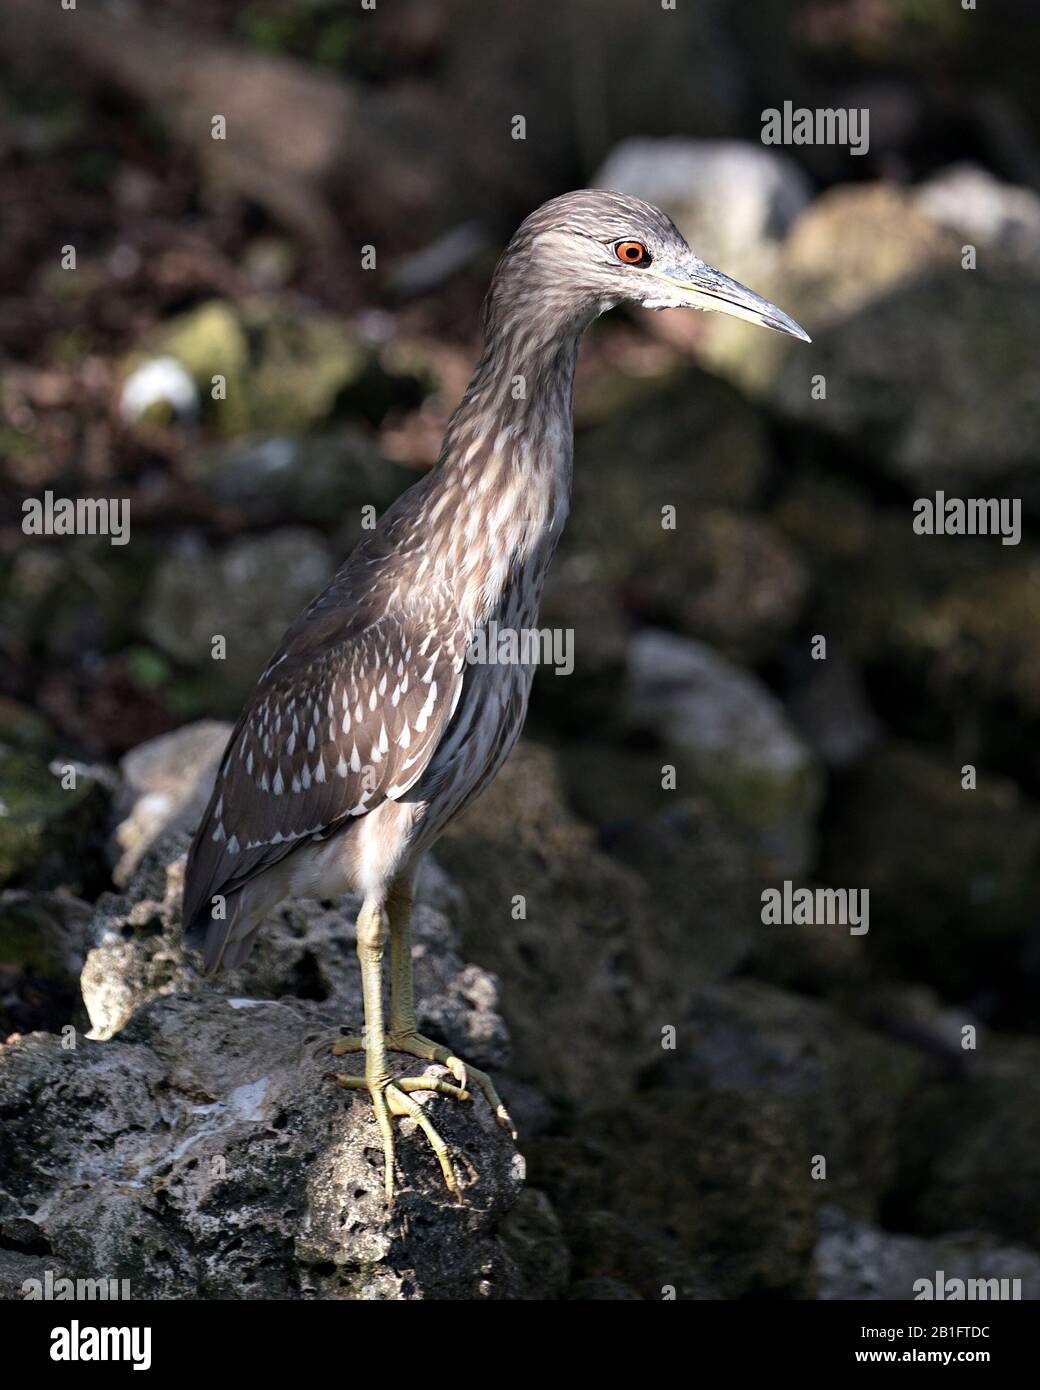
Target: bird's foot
<point x="415" y="1045"/>
<point x="391" y="1097"/>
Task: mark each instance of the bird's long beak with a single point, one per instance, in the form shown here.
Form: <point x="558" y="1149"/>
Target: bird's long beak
<point x="696" y="285"/>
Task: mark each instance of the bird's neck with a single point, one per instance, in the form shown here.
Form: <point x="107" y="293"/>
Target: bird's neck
<point x="505" y="471"/>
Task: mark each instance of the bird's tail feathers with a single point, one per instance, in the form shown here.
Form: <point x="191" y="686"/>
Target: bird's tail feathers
<point x="224" y="940"/>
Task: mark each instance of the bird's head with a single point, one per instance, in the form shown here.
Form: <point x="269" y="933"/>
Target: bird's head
<point x="585" y="252"/>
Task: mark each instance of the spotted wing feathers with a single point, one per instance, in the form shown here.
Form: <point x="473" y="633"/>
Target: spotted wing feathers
<point x="337" y="724"/>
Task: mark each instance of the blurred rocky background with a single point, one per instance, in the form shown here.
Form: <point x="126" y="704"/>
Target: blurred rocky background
<point x="193" y="1141"/>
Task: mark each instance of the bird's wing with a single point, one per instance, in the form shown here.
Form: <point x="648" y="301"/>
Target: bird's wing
<point x="339" y="722"/>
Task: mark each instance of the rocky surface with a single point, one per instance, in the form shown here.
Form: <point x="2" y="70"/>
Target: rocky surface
<point x="247" y="594"/>
<point x="988" y="213"/>
<point x="165" y="785"/>
<point x="939" y="387"/>
<point x="308" y="480"/>
<point x="206" y="1153"/>
<point x="544" y="907"/>
<point x="842" y="1091"/>
<point x="194" y="1143"/>
<point x="954" y="1176"/>
<point x="51" y="808"/>
<point x="727" y="735"/>
<point x="44" y="938"/>
<point x="858" y="1261"/>
<point x="972" y="886"/>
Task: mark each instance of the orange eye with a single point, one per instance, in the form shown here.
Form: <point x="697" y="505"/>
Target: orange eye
<point x="632" y="253"/>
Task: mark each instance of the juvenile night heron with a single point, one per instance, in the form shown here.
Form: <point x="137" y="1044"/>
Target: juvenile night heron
<point x="369" y="730"/>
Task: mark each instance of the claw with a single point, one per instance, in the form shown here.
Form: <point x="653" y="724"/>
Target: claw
<point x="504" y="1118"/>
<point x="393" y="1097"/>
<point x="415" y="1045"/>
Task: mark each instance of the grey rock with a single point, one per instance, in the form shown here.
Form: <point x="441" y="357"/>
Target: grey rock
<point x="701" y="879"/>
<point x="648" y="1202"/>
<point x="971" y="1144"/>
<point x="952" y="873"/>
<point x="204" y="1153"/>
<point x="855" y="1260"/>
<point x="739" y="586"/>
<point x="855" y="245"/>
<point x="729" y="738"/>
<point x="316" y="480"/>
<point x="248" y="593"/>
<point x="840" y="1089"/>
<point x="51" y="811"/>
<point x="557" y="918"/>
<point x="968" y="200"/>
<point x="934" y="385"/>
<point x="699" y="443"/>
<point x="165" y="785"/>
<point x="43" y="940"/>
<point x="832" y="712"/>
<point x="950" y="615"/>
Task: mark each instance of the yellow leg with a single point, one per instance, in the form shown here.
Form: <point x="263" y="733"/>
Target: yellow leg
<point x="389" y="1097"/>
<point x="404" y="1036"/>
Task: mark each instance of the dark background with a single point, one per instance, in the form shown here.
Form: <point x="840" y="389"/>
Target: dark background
<point x="392" y="129"/>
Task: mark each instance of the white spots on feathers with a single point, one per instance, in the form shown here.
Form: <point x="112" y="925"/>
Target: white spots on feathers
<point x="427" y="709"/>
